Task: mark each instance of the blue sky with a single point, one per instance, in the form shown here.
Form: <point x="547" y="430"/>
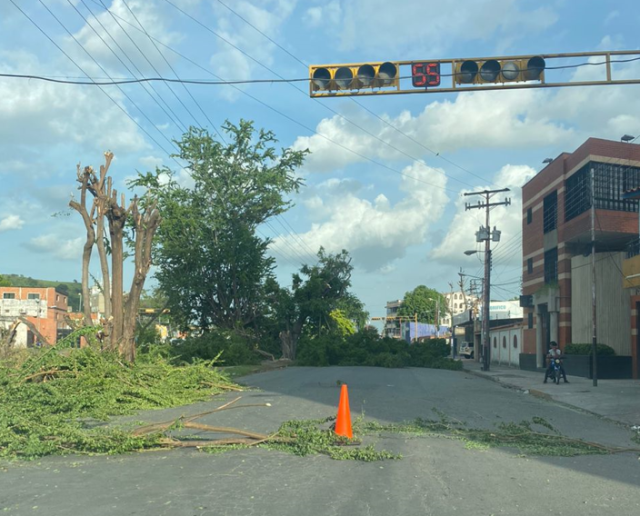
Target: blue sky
<point x="404" y="222"/>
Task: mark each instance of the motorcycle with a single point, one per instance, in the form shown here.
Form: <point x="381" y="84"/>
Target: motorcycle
<point x="556" y="370"/>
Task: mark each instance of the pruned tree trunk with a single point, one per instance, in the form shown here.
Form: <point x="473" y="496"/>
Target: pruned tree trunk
<point x="289" y="340"/>
<point x="145" y="225"/>
<point x="121" y="317"/>
<point x="117" y="217"/>
<point x="84" y="178"/>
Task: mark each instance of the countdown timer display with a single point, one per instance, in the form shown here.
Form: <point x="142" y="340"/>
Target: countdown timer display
<point x="425" y="74"/>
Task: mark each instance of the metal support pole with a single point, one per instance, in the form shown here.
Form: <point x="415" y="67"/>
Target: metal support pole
<point x="486" y="295"/>
<point x="594" y="326"/>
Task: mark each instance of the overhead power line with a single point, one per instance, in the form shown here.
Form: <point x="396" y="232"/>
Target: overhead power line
<point x="207" y="82"/>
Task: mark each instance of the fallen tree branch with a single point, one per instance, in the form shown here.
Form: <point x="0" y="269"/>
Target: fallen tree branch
<point x="43" y="373"/>
<point x="265" y="354"/>
<point x="224" y="430"/>
<point x="185" y="421"/>
<point x="223" y="386"/>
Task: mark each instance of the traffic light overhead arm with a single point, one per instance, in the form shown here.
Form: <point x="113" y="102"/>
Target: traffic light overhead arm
<point x="466" y="74"/>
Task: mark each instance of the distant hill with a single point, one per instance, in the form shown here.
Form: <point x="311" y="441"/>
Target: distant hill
<point x="72" y="289"/>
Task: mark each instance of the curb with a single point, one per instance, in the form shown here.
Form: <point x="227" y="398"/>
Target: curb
<point x="548" y="397"/>
<point x="533" y="392"/>
<point x="542" y="395"/>
<point x="494" y="379"/>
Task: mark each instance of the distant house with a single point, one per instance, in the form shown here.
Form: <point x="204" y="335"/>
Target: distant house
<point x="43" y="307"/>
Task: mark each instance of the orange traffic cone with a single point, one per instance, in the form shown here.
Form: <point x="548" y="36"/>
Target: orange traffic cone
<point x="343" y="421"/>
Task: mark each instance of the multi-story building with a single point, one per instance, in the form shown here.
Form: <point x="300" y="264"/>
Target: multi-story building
<point x="456" y="304"/>
<point x="43" y="307"/>
<point x="391" y="325"/>
<point x="557" y="225"/>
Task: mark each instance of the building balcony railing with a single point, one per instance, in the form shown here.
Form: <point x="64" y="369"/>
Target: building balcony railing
<point x="633" y="248"/>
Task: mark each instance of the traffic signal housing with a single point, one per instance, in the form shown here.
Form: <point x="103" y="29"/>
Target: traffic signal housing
<point x="493" y="71"/>
<point x="354" y="76"/>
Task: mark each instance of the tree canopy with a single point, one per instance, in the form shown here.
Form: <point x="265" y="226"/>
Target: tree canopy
<point x="315" y="293"/>
<point x="211" y="262"/>
<point x="423" y="301"/>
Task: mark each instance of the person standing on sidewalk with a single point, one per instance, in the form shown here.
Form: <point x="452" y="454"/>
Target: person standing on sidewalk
<point x="553" y="353"/>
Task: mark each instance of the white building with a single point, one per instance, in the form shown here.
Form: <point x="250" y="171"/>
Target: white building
<point x="456" y="304"/>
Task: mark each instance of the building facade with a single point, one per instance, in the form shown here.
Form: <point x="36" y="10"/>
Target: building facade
<point x="392" y="326"/>
<point x="456" y="304"/>
<point x="557" y="225"/>
<point x="43" y="307"/>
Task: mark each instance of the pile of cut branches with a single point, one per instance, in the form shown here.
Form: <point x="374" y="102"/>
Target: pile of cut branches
<point x="52" y="401"/>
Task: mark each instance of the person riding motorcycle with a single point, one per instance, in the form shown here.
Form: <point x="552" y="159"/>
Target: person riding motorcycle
<point x="554" y="353"/>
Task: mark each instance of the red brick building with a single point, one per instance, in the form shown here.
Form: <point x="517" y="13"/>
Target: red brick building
<point x="44" y="307"/>
<point x="556" y="229"/>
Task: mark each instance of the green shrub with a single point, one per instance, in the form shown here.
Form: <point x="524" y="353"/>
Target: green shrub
<point x="233" y="349"/>
<point x="388" y="360"/>
<point x="312" y="353"/>
<point x="585" y="349"/>
<point x="366" y="348"/>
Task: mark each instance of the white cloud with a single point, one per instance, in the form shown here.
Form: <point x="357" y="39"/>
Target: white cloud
<point x="435" y="25"/>
<point x="475" y="120"/>
<point x="151" y="162"/>
<point x="50" y="114"/>
<point x="103" y="28"/>
<point x="57" y="246"/>
<point x="11" y="222"/>
<point x="326" y="16"/>
<point x="230" y="64"/>
<point x="375" y="233"/>
<point x="508" y="219"/>
<point x="611" y="16"/>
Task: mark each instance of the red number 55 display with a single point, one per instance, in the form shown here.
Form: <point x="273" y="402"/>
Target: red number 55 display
<point x="425" y="74"/>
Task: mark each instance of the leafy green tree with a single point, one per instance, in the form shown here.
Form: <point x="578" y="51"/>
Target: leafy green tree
<point x="353" y="309"/>
<point x="315" y="292"/>
<point x="344" y="326"/>
<point x="424" y="302"/>
<point x="4" y="282"/>
<point x="211" y="263"/>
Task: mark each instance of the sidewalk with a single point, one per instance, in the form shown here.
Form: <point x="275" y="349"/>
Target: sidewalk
<point x="618" y="400"/>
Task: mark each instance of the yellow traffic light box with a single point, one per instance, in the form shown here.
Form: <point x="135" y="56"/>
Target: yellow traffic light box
<point x="353" y="76"/>
<point x="499" y="70"/>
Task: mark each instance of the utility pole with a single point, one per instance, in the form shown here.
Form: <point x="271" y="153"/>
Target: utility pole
<point x="461" y="284"/>
<point x="594" y="326"/>
<point x="451" y="326"/>
<point x="487" y="235"/>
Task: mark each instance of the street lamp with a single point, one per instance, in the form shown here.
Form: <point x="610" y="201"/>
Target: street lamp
<point x="469" y="253"/>
<point x="627" y="138"/>
<point x="547" y="161"/>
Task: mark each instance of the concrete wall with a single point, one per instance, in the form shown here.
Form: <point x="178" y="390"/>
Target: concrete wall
<point x="506" y="346"/>
<point x="612" y="301"/>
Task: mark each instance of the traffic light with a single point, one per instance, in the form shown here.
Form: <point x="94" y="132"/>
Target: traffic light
<point x="354" y="76"/>
<point x="500" y="70"/>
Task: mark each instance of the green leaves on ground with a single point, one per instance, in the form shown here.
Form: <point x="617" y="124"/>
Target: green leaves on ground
<point x="53" y="402"/>
<point x="307" y="438"/>
<point x="536" y="437"/>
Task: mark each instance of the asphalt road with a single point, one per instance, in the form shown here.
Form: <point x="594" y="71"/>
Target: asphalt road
<point x="436" y="476"/>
